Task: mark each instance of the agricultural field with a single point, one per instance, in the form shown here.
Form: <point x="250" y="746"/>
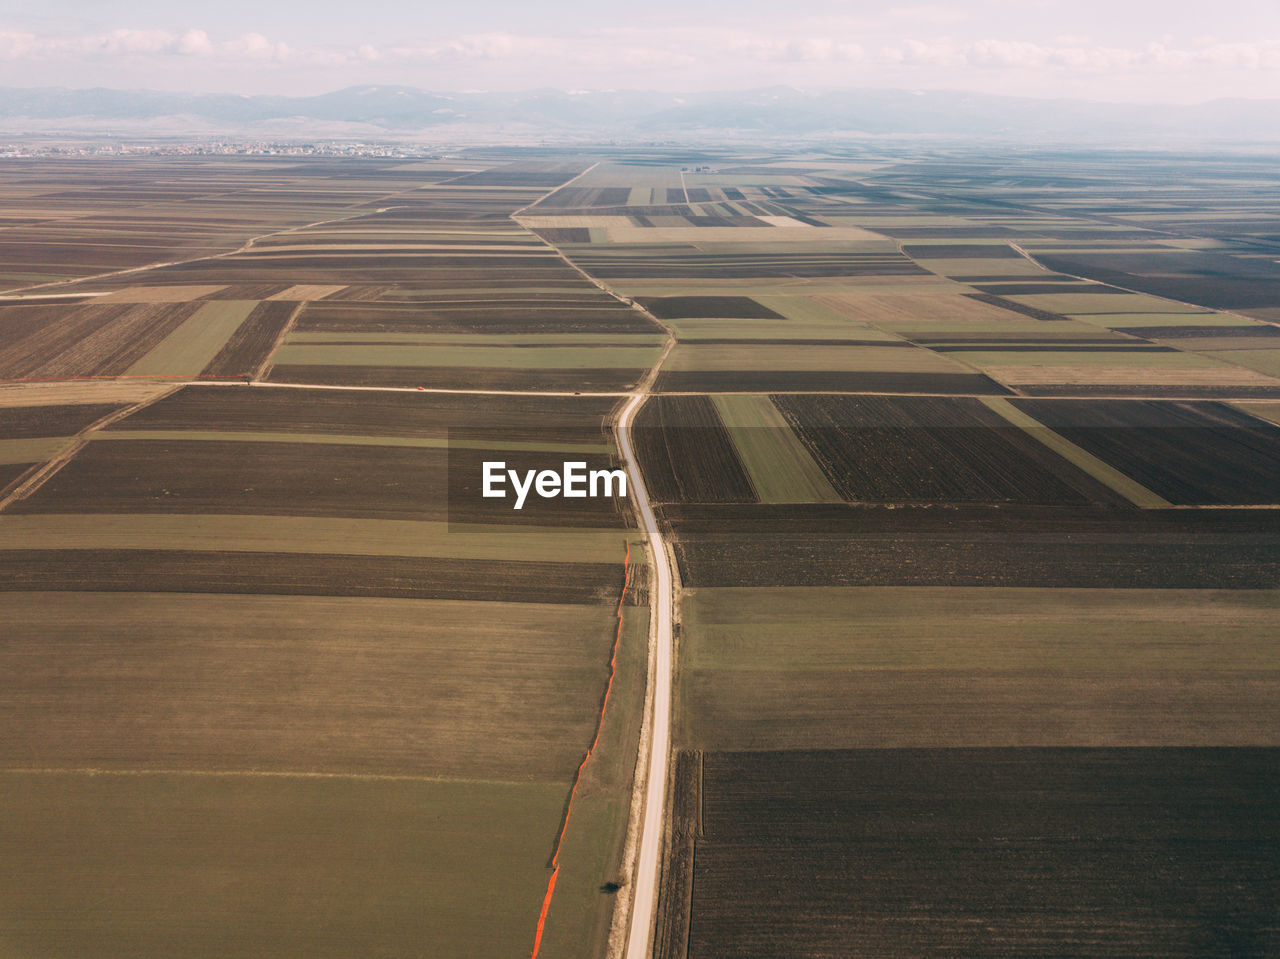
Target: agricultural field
<point x="968" y="466"/>
<point x="277" y="679"/>
<point x="1093" y="852"/>
<point x="978" y="560"/>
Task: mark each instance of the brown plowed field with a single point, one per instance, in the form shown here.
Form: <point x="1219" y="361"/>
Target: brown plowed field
<point x="896" y="449"/>
<point x="681" y="307"/>
<point x="305" y="574"/>
<point x="460" y="377"/>
<point x="1005" y="546"/>
<point x="988" y="853"/>
<point x="252" y="341"/>
<point x="687" y="455"/>
<point x="1189" y="453"/>
<point x="26" y="422"/>
<point x="550" y="419"/>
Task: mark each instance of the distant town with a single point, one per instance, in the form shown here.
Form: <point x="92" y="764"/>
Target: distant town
<point x="47" y="147"/>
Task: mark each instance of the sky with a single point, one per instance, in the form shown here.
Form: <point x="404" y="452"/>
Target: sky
<point x="1115" y="50"/>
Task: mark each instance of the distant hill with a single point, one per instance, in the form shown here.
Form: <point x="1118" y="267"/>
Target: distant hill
<point x="777" y="112"/>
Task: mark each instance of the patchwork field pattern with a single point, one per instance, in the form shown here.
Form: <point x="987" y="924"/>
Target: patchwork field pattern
<point x="269" y="637"/>
<point x="956" y="646"/>
<point x="968" y="463"/>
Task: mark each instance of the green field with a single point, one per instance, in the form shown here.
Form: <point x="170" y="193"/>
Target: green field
<point x="780" y="467"/>
<point x="244" y="865"/>
<point x="188" y="349"/>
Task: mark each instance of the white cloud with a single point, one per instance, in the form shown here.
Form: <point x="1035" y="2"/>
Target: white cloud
<point x="253" y="46"/>
<point x="195" y="43"/>
<point x="906" y="46"/>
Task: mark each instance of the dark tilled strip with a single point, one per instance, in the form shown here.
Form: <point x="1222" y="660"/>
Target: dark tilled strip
<point x="1191" y="332"/>
<point x="1111" y="347"/>
<point x="305" y="574"/>
<point x="792" y="381"/>
<point x="460" y="377"/>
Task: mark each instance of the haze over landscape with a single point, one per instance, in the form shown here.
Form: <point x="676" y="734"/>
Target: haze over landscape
<point x="1142" y="51"/>
<point x="695" y="481"/>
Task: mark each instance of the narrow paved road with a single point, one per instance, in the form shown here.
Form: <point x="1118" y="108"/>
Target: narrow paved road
<point x="658" y="703"/>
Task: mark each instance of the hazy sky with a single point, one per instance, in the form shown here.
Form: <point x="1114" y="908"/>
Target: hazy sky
<point x="1097" y="49"/>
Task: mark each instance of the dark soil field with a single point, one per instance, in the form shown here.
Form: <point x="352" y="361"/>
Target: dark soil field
<point x="1201" y="332"/>
<point x="247" y="477"/>
<point x="609" y="379"/>
<point x="967" y="251"/>
<point x="305" y="574"/>
<point x="304" y="479"/>
<point x="1055" y="347"/>
<point x="808" y="381"/>
<point x="567" y="234"/>
<point x="443" y="271"/>
<point x="1213" y="280"/>
<point x="10" y="473"/>
<point x="883" y="449"/>
<point x="1160" y="390"/>
<point x="250" y="345"/>
<point x="550" y="419"/>
<point x="680" y="307"/>
<point x="26" y="422"/>
<point x="483" y="314"/>
<point x="686" y="453"/>
<point x="987" y="853"/>
<point x="1006" y="546"/>
<point x="1189" y="453"/>
<point x="570" y="197"/>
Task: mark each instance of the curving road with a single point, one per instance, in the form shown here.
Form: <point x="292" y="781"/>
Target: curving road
<point x="658" y="703"/>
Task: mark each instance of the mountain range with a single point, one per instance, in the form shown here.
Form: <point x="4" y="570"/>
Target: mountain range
<point x="402" y="112"/>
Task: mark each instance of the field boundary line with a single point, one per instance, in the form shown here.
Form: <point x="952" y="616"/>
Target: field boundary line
<point x="577" y="776"/>
<point x="553" y="190"/>
<point x="265" y="366"/>
<point x="1103" y="472"/>
<point x="46" y="471"/>
<point x="246" y="774"/>
<point x="195" y="259"/>
<point x="355" y="214"/>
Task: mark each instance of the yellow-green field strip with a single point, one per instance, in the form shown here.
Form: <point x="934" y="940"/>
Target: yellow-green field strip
<point x="189" y="349"/>
<point x="1266" y="411"/>
<point x="977" y="628"/>
<point x="513" y="357"/>
<point x="32" y="450"/>
<point x="245" y="773"/>
<point x="781" y="469"/>
<point x="343" y="439"/>
<point x="1104" y="473"/>
<point x="307" y="534"/>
